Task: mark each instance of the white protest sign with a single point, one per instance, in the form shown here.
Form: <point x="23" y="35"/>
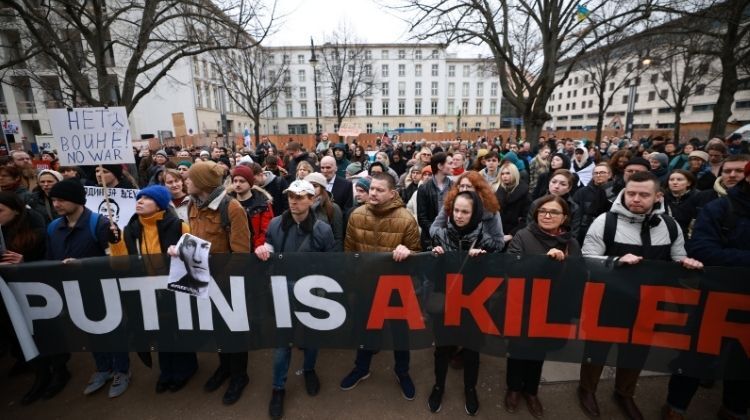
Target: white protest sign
<point x="122" y="202"/>
<point x="91" y="136"/>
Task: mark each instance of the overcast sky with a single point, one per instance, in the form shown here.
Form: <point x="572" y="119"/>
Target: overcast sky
<point x="371" y="22"/>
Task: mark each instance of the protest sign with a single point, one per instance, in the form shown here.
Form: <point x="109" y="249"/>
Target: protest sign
<point x="189" y="272"/>
<point x="91" y="136"/>
<point x="121" y="200"/>
<point x="655" y="315"/>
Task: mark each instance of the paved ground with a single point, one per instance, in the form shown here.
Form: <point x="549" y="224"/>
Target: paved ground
<point x="377" y="398"/>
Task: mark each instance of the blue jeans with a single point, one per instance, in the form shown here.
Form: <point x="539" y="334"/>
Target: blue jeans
<point x="364" y="357"/>
<point x="282" y="356"/>
<point x="118" y="362"/>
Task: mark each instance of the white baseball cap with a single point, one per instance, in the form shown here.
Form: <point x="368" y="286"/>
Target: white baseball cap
<point x="301" y="187"/>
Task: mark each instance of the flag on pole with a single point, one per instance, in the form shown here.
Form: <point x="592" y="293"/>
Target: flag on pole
<point x="582" y="12"/>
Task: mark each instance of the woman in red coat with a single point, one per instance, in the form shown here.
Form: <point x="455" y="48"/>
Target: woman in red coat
<point x="256" y="201"/>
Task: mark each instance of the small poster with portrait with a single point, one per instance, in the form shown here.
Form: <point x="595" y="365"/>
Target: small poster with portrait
<point x="189" y="272"/>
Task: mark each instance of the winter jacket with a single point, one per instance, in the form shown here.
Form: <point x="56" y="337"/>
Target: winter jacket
<point x="337" y="224"/>
<point x="584" y="172"/>
<point x="275" y="186"/>
<point x="574" y="220"/>
<point x="382" y="228"/>
<point x="310" y="235"/>
<point x="259" y="212"/>
<point x="514" y="205"/>
<point x="531" y="240"/>
<point x="492" y="229"/>
<point x="205" y="223"/>
<point x="450" y="239"/>
<point x="718" y="241"/>
<point x="182" y="208"/>
<point x="34" y="249"/>
<point x="592" y="200"/>
<point x="40" y="203"/>
<point x="537" y="167"/>
<point x="680" y="208"/>
<point x="704" y="178"/>
<point x="429" y="202"/>
<point x="628" y="235"/>
<point x="150" y="235"/>
<point x="77" y="242"/>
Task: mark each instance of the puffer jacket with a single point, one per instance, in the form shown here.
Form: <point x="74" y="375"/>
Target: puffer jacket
<point x="451" y="240"/>
<point x="710" y="243"/>
<point x="628" y="233"/>
<point x="382" y="228"/>
<point x="205" y="223"/>
<point x="492" y="229"/>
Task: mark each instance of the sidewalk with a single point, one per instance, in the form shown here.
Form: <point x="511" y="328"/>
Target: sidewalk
<point x="376" y="398"/>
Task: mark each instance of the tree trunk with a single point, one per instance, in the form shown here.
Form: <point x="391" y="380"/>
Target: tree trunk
<point x="599" y="125"/>
<point x="723" y="107"/>
<point x="677" y="120"/>
<point x="256" y="129"/>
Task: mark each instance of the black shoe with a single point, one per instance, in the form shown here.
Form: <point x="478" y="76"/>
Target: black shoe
<point x="276" y="407"/>
<point x="312" y="383"/>
<point x="59" y="379"/>
<point x="178" y="384"/>
<point x="472" y="402"/>
<point x="435" y="401"/>
<point x="41" y="382"/>
<point x="162" y="386"/>
<point x="216" y="380"/>
<point x="234" y="392"/>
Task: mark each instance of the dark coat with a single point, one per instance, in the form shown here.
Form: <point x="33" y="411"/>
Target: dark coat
<point x="343" y="193"/>
<point x="428" y="206"/>
<point x="77" y="242"/>
<point x="681" y="208"/>
<point x="533" y="241"/>
<point x="514" y="206"/>
<point x="593" y="201"/>
<point x="311" y="235"/>
<point x="714" y="243"/>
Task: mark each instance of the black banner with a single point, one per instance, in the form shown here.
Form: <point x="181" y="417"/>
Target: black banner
<point x="654" y="315"/>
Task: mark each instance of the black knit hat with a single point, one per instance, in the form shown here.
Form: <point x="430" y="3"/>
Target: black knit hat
<point x="115" y="169"/>
<point x="69" y="190"/>
<point x="637" y="160"/>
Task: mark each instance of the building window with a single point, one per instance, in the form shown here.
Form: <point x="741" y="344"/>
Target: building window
<point x="465" y="90"/>
<point x="385" y="108"/>
<point x="624" y="99"/>
<point x="585" y="91"/>
<point x="386" y="127"/>
<point x="402" y="54"/>
<point x="663" y="94"/>
<point x="319" y="108"/>
<point x="353" y="109"/>
<point x="703" y="107"/>
<point x="700" y="89"/>
<point x="303" y="109"/>
<point x="492" y="124"/>
<point x="667" y="76"/>
<point x="611" y="85"/>
<point x="466" y="70"/>
<point x="493" y="89"/>
<point x="300" y="59"/>
<point x="275" y="129"/>
<point x="384" y="55"/>
<point x="418" y="108"/>
<point x="583" y="104"/>
<point x="465" y="107"/>
<point x="479" y="108"/>
<point x="368" y="55"/>
<point x="742" y="105"/>
<point x="435" y="70"/>
<point x="451" y="89"/>
<point x="434" y="89"/>
<point x="198" y="92"/>
<point x="480" y="89"/>
<point x="368" y="128"/>
<point x="451" y="71"/>
<point x="301" y="75"/>
<point x="384" y="70"/>
<point x="493" y="107"/>
<point x="401" y="89"/>
<point x="302" y="92"/>
<point x="418" y="70"/>
<point x="274" y="112"/>
<point x="451" y="107"/>
<point x="401" y="70"/>
<point x="384" y="89"/>
<point x="417" y="89"/>
<point x="418" y="54"/>
<point x="289" y="112"/>
<point x="433" y="108"/>
<point x="433" y="127"/>
<point x="417" y="125"/>
<point x="652" y="96"/>
<point x="434" y="54"/>
<point x="368" y="108"/>
<point x="401" y="108"/>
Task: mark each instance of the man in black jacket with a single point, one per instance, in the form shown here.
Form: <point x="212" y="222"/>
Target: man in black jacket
<point x="340" y="188"/>
<point x="431" y="193"/>
<point x="593" y="198"/>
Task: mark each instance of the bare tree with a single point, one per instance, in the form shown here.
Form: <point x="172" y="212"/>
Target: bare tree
<point x="535" y="44"/>
<point x="253" y="81"/>
<point x="346" y="67"/>
<point x="685" y="70"/>
<point x="116" y="52"/>
<point x="615" y="57"/>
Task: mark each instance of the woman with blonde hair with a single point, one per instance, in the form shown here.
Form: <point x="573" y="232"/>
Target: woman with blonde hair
<point x="538" y="166"/>
<point x="304" y="169"/>
<point x="513" y="195"/>
<point x="178" y="190"/>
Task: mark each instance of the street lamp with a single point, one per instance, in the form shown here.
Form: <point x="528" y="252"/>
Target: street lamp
<point x="631" y="101"/>
<point x="314" y="64"/>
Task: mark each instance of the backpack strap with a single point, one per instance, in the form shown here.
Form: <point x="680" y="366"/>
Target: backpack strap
<point x="671" y="227"/>
<point x="53" y="226"/>
<point x="226" y="224"/>
<point x="93" y="224"/>
<point x="610" y="228"/>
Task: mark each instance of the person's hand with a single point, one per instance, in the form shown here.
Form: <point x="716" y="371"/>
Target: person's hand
<point x="556" y="254"/>
<point x="438" y="250"/>
<point x="691" y="264"/>
<point x="68" y="260"/>
<point x="507" y="238"/>
<point x="172" y="251"/>
<point x="262" y="253"/>
<point x="476" y="251"/>
<point x="11" y="257"/>
<point x="629" y="259"/>
<point x="401" y="253"/>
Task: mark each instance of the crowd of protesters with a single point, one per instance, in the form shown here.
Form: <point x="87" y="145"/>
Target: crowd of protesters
<point x="653" y="199"/>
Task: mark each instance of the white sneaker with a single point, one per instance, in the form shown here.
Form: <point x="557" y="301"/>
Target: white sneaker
<point x="97" y="381"/>
<point x="119" y="384"/>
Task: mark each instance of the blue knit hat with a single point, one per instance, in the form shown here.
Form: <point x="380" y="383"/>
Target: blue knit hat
<point x="158" y="193"/>
<point x="364" y="183"/>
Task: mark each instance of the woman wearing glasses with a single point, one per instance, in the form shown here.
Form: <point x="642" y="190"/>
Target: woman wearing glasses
<point x="546" y="234"/>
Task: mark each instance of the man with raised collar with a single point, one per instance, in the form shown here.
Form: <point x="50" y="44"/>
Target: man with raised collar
<point x="340" y="188"/>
